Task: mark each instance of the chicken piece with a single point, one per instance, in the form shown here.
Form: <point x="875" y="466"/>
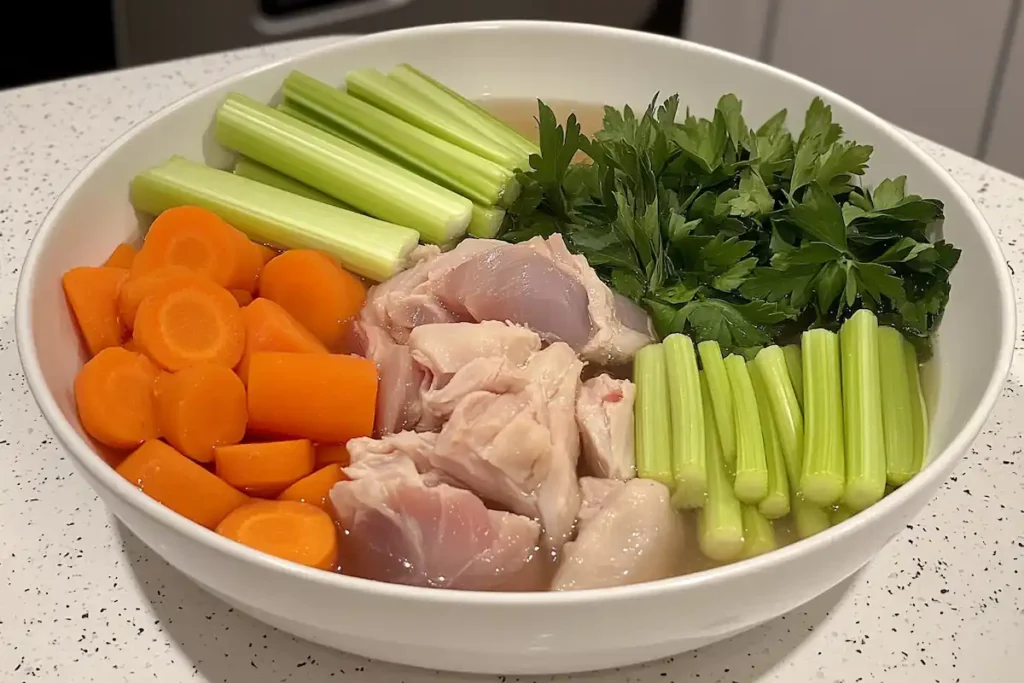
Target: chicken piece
<point x="604" y="412"/>
<point x="400" y="380"/>
<point x="628" y="533"/>
<point x="495" y="375"/>
<point x="401" y="530"/>
<point x="365" y="452"/>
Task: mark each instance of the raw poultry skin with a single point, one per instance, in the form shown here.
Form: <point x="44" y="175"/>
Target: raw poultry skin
<point x="604" y="412"/>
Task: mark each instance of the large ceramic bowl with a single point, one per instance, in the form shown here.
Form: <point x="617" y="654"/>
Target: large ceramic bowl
<point x="519" y="633"/>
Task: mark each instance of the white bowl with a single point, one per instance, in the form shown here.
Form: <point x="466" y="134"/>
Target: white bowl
<point x="519" y="633"/>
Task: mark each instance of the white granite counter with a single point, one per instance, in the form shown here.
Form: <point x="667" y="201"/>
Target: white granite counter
<point x="82" y="600"/>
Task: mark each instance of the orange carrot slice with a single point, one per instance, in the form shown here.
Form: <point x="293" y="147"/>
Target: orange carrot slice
<point x="122" y="256"/>
<point x="266" y="253"/>
<point x="315" y="290"/>
<point x="287" y="529"/>
<point x="268" y="327"/>
<point x="264" y="469"/>
<point x="201" y="407"/>
<point x="331" y="453"/>
<point x="197" y="323"/>
<point x="242" y="296"/>
<point x="170" y="478"/>
<point x="114" y="397"/>
<point x="159" y="280"/>
<point x="92" y="296"/>
<point x="316" y="488"/>
<point x="130" y="345"/>
<point x="314" y="396"/>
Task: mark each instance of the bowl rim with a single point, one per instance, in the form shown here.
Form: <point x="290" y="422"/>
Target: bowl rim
<point x="96" y="467"/>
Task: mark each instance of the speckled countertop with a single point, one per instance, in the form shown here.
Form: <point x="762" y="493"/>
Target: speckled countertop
<point x="83" y="600"/>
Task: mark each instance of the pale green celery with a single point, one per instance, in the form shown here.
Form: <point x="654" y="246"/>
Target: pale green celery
<point x="751" y="483"/>
<point x="897" y="408"/>
<point x="689" y="466"/>
<point x="840" y="514"/>
<point x="247" y="168"/>
<point x="342" y="170"/>
<point x="721" y="398"/>
<point x="786" y="413"/>
<point x="466" y="110"/>
<point x="400" y="100"/>
<point x="823" y="472"/>
<point x="808" y="518"/>
<point x="776" y="503"/>
<point x="795" y="366"/>
<point x="364" y="245"/>
<point x="758" y="533"/>
<point x="297" y="112"/>
<point x="486" y="221"/>
<point x="720" y="521"/>
<point x="862" y="402"/>
<point x="918" y="407"/>
<point x="458" y="169"/>
<point x="653" y="424"/>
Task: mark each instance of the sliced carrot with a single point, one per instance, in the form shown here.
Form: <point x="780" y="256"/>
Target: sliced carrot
<point x="122" y="256"/>
<point x="197" y="323"/>
<point x="130" y="345"/>
<point x="201" y="241"/>
<point x="316" y="488"/>
<point x="201" y="407"/>
<point x="242" y="296"/>
<point x="331" y="453"/>
<point x="287" y="529"/>
<point x="327" y="398"/>
<point x="316" y="291"/>
<point x="266" y="253"/>
<point x="169" y="477"/>
<point x="268" y="327"/>
<point x="159" y="280"/>
<point x="264" y="469"/>
<point x="92" y="295"/>
<point x="114" y="397"/>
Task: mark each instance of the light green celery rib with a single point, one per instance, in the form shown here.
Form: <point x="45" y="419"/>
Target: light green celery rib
<point x="776" y="503"/>
<point x="653" y="423"/>
<point x="486" y="221"/>
<point x="398" y="99"/>
<point x="689" y="466"/>
<point x="751" y="483"/>
<point x="458" y="169"/>
<point x="247" y="168"/>
<point x="918" y="407"/>
<point x="897" y="408"/>
<point x="367" y="246"/>
<point x="785" y="408"/>
<point x="862" y="402"/>
<point x="342" y="170"/>
<point x="720" y="521"/>
<point x="721" y="398"/>
<point x="840" y="514"/>
<point x="808" y="518"/>
<point x="795" y="366"/>
<point x="823" y="474"/>
<point x="758" y="533"/>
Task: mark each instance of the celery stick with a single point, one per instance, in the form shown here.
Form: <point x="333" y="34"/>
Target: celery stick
<point x="458" y="169"/>
<point x="795" y="366"/>
<point x="785" y="409"/>
<point x="486" y="221"/>
<point x="862" y="402"/>
<point x="689" y="466"/>
<point x="341" y="169"/>
<point x="653" y="427"/>
<point x="840" y="514"/>
<point x="751" y="484"/>
<point x="758" y="533"/>
<point x="720" y="521"/>
<point x="897" y="408"/>
<point x="823" y="473"/>
<point x="364" y="245"/>
<point x="297" y="112"/>
<point x="776" y="503"/>
<point x="398" y="99"/>
<point x="247" y="168"/>
<point x="918" y="407"/>
<point x="721" y="398"/>
<point x="808" y="518"/>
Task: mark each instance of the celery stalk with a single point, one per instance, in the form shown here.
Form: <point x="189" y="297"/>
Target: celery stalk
<point x="776" y="503"/>
<point x="720" y="521"/>
<point x="342" y="170"/>
<point x="795" y="366"/>
<point x="653" y="426"/>
<point x="247" y="168"/>
<point x="364" y="245"/>
<point x="862" y="402"/>
<point x="758" y="533"/>
<point x="751" y="483"/>
<point x="823" y="474"/>
<point x="918" y="407"/>
<point x="808" y="518"/>
<point x="785" y="409"/>
<point x="458" y="169"/>
<point x="897" y="408"/>
<point x="689" y="466"/>
<point x="840" y="514"/>
<point x="486" y="221"/>
<point x="721" y="398"/>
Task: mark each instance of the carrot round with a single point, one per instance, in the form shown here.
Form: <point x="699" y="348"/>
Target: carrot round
<point x="316" y="291"/>
<point x="197" y="323"/>
<point x="266" y="253"/>
<point x="92" y="296"/>
<point x="122" y="256"/>
<point x="287" y="529"/>
<point x="114" y="398"/>
<point x="169" y="477"/>
<point x="316" y="488"/>
<point x="323" y="397"/>
<point x="331" y="453"/>
<point x="242" y="296"/>
<point x="200" y="408"/>
<point x="164" y="279"/>
<point x="130" y="345"/>
<point x="199" y="240"/>
<point x="268" y="327"/>
<point x="264" y="469"/>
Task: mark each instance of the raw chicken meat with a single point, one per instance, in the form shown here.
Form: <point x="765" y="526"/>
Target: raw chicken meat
<point x="628" y="533"/>
<point x="367" y="454"/>
<point x="604" y="411"/>
<point x="400" y="380"/>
